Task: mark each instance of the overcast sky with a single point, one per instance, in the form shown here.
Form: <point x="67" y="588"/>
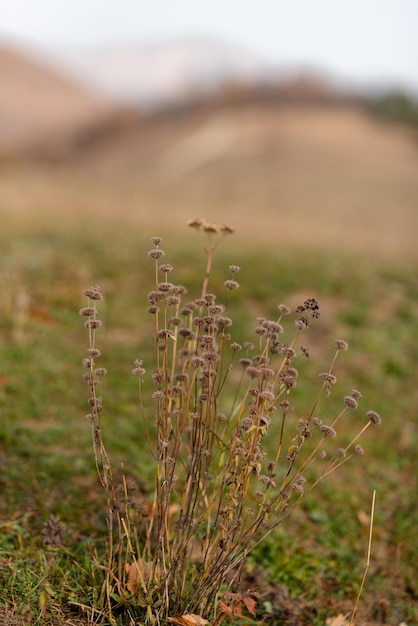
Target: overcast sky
<point x="360" y="40"/>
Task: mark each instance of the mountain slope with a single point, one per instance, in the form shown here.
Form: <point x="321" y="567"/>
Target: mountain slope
<point x="36" y="101"/>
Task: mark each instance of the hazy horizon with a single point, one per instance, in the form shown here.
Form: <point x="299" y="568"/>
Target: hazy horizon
<point x="361" y="42"/>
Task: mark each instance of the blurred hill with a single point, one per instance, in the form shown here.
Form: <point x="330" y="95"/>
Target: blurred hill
<point x="298" y="163"/>
<point x="41" y="109"/>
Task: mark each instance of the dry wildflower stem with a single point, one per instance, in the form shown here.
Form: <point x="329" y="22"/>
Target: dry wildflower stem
<point x="366" y="569"/>
<point x="216" y="495"/>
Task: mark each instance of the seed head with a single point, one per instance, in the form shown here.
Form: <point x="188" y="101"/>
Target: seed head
<point x="211" y="357"/>
<point x="166" y="268"/>
<point x="356" y="394"/>
<point x="328" y="378"/>
<point x="288" y="352"/>
<point x="155" y="296"/>
<point x="93" y="353"/>
<point x="374" y="417"/>
<point x="156" y="254"/>
<point x="197" y="361"/>
<point x="272" y="326"/>
<point x="179" y="289"/>
<point x="157" y="378"/>
<point x="301" y="323"/>
<point x="224" y="322"/>
<point x="210" y="228"/>
<point x="173" y="300"/>
<point x="252" y="371"/>
<point x="88" y="310"/>
<point x="138" y="371"/>
<point x="328" y="431"/>
<point x="266" y="372"/>
<point x="340" y="344"/>
<point x="359" y="450"/>
<point x="350" y="402"/>
<point x="93" y="324"/>
<point x="156" y="240"/>
<point x="286" y="406"/>
<point x="311" y="304"/>
<point x="93" y="293"/>
<point x="100" y="371"/>
<point x="196" y="223"/>
<point x="284" y="310"/>
<point x="215" y="309"/>
<point x="227" y="230"/>
<point x="297" y="488"/>
<point x="231" y="284"/>
<point x="165" y="286"/>
<point x="267" y="395"/>
<point x="234" y="269"/>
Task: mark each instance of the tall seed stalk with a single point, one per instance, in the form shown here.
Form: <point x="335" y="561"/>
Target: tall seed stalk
<point x="216" y="496"/>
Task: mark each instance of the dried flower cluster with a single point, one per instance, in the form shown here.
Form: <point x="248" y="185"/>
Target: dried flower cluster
<point x="217" y="492"/>
<point x="53" y="532"/>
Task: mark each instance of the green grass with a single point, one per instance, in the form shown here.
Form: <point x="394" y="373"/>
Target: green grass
<point x="47" y="466"/>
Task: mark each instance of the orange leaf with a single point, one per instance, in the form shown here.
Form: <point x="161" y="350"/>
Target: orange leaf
<point x="250" y="603"/>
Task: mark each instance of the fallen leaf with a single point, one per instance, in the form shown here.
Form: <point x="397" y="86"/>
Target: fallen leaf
<point x="363" y="518"/>
<point x="340" y="620"/>
<point x="225" y="608"/>
<point x="139" y="573"/>
<point x="250" y="603"/>
<point x="188" y="619"/>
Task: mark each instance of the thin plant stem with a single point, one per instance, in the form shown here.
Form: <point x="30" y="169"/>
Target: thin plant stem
<point x="366" y="569"/>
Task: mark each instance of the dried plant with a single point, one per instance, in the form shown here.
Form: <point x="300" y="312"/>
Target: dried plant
<point x="53" y="532"/>
<point x="217" y="494"/>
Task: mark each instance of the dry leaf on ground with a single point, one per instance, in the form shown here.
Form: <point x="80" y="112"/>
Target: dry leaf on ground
<point x="340" y="620"/>
<point x="189" y="619"/>
<point x="139" y="573"/>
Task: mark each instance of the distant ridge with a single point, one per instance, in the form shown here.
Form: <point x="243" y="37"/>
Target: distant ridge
<point x="165" y="73"/>
<point x="36" y="102"/>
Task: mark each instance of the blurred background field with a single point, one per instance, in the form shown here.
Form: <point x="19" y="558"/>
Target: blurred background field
<point x="320" y="179"/>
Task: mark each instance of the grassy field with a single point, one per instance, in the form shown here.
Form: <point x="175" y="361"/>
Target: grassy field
<point x="324" y="202"/>
<point x="310" y="570"/>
